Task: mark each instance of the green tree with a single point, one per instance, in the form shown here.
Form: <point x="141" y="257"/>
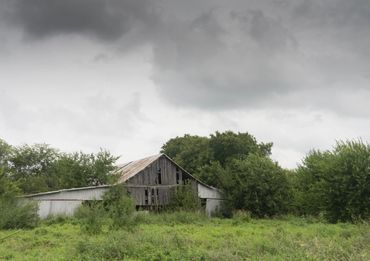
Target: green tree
<point x="5" y="154"/>
<point x="237" y="164"/>
<point x="308" y="183"/>
<point x="229" y="145"/>
<point x="213" y="174"/>
<point x="190" y="152"/>
<point x="202" y="155"/>
<point x="39" y="167"/>
<point x="15" y="212"/>
<point x="79" y="169"/>
<point x="257" y="184"/>
<point x="336" y="183"/>
<point x="31" y="167"/>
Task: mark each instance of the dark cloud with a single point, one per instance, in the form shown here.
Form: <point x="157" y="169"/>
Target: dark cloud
<point x="248" y="54"/>
<point x="104" y="19"/>
<point x="215" y="54"/>
<point x="224" y="59"/>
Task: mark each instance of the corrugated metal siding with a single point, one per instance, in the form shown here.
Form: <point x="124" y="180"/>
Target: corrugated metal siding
<point x="86" y="194"/>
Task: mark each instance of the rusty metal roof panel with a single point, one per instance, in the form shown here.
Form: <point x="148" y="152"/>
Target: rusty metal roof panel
<point x="130" y="169"/>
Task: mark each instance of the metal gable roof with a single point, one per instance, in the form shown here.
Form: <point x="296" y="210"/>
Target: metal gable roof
<point x="128" y="170"/>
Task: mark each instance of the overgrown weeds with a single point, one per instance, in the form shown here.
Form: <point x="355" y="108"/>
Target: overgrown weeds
<point x="18" y="213"/>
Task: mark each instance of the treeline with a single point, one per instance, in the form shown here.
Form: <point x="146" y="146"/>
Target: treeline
<point x="331" y="184"/>
<point x="36" y="168"/>
<point x="39" y="167"/>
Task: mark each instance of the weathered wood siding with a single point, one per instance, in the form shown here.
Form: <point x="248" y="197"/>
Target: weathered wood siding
<point x="148" y="189"/>
<point x="149" y="176"/>
<point x="150" y="195"/>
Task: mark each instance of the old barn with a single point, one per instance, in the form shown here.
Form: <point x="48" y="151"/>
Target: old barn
<point x="149" y="182"/>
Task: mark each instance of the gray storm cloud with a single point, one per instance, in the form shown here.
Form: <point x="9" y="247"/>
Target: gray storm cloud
<point x="103" y="19"/>
<point x="313" y="52"/>
<point x="225" y="55"/>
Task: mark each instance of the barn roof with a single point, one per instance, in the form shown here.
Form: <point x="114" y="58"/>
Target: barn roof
<point x="130" y="169"/>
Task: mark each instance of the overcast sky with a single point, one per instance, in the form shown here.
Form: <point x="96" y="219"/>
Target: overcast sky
<point x="127" y="75"/>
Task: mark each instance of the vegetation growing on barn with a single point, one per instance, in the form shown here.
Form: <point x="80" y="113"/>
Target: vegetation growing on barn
<point x="116" y="210"/>
<point x="184" y="198"/>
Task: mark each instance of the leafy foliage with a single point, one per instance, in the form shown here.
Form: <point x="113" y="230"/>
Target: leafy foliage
<point x="15" y="212"/>
<point x="184" y="198"/>
<point x="213" y="174"/>
<point x="237" y="164"/>
<point x="79" y="169"/>
<point x="258" y="185"/>
<point x="31" y="167"/>
<point x="119" y="206"/>
<point x="201" y="155"/>
<point x="116" y="207"/>
<point x="91" y="217"/>
<point x="37" y="168"/>
<point x="190" y="152"/>
<point x="18" y="213"/>
<point x="229" y="145"/>
<point x="336" y="183"/>
<point x="5" y="152"/>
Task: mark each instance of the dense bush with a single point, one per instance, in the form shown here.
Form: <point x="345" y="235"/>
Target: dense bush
<point x="196" y="153"/>
<point x="335" y="183"/>
<point x="119" y="207"/>
<point x="18" y="214"/>
<point x="237" y="164"/>
<point x="116" y="209"/>
<point x="258" y="185"/>
<point x="184" y="198"/>
<point x="15" y="212"/>
<point x="91" y="217"/>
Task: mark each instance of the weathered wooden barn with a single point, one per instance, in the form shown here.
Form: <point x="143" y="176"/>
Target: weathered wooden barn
<point x="149" y="182"/>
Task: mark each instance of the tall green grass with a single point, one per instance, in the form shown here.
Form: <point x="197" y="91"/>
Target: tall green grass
<point x="192" y="236"/>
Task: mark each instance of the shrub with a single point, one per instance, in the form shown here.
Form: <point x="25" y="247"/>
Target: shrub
<point x="184" y="198"/>
<point x="336" y="183"/>
<point x="15" y="212"/>
<point x="18" y="213"/>
<point x="257" y="184"/>
<point x="119" y="207"/>
<point x="90" y="217"/>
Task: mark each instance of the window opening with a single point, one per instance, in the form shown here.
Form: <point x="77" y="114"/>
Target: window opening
<point x="146" y="197"/>
<point x="159" y="176"/>
<point x="153" y="196"/>
<point x="177" y="175"/>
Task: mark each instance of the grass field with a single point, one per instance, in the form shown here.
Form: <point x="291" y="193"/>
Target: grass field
<point x="188" y="237"/>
